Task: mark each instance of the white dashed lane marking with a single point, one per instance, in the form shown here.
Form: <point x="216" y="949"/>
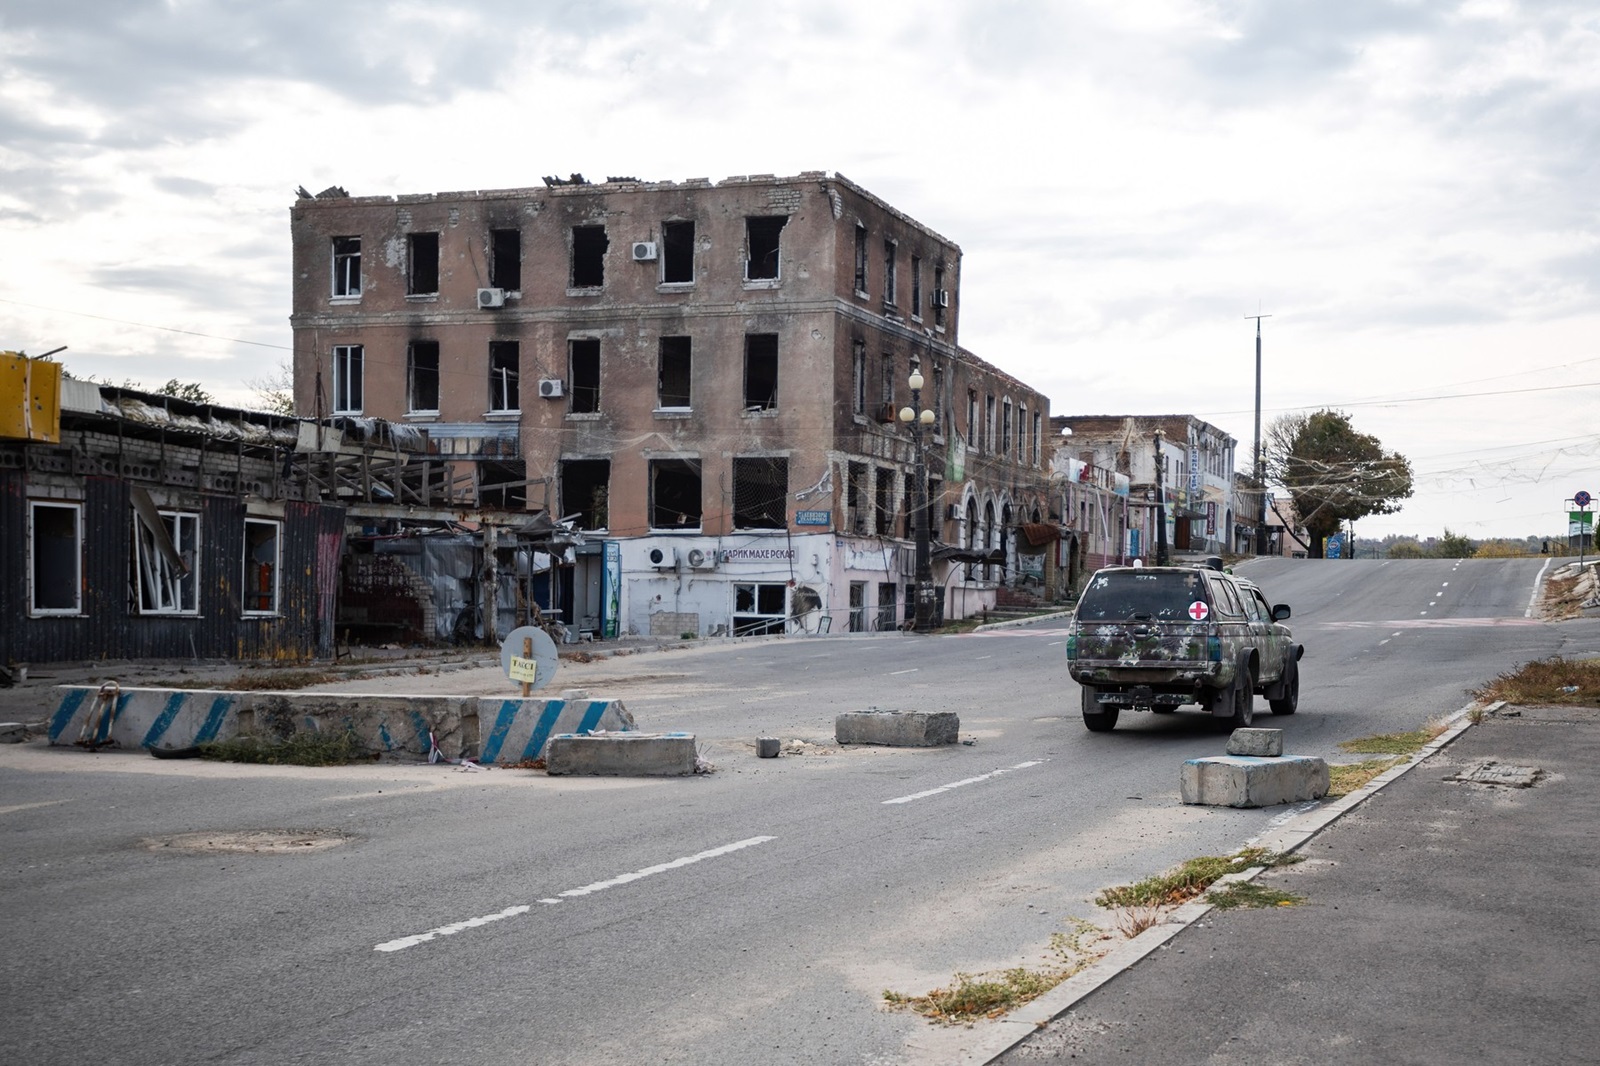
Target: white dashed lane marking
<point x="964" y="783"/>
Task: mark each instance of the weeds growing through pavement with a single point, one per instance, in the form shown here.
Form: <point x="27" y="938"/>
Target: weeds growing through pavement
<point x="1190" y="878"/>
<point x="1393" y="743"/>
<point x="1131" y="921"/>
<point x="1345" y="778"/>
<point x="1250" y="894"/>
<point x="1554" y="680"/>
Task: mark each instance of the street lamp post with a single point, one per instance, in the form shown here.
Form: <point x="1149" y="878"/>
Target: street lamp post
<point x="916" y="418"/>
<point x="1162" y="558"/>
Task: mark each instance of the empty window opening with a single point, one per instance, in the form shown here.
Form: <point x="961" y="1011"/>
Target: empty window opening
<point x="890" y="250"/>
<point x="505" y="259"/>
<point x="858" y="606"/>
<point x="886" y="388"/>
<point x="589" y="244"/>
<point x="347" y="373"/>
<point x="1038" y="426"/>
<point x="861" y="259"/>
<point x="503" y="485"/>
<point x="677" y="252"/>
<point x="673" y="374"/>
<point x="989" y="425"/>
<point x="761" y="240"/>
<point x="584" y="374"/>
<point x="675" y="494"/>
<point x="760" y="493"/>
<point x="759" y="609"/>
<point x="941" y="298"/>
<point x="1005" y="428"/>
<point x="761" y="372"/>
<point x="856" y="497"/>
<point x="938" y="399"/>
<point x="858" y="399"/>
<point x="586" y="492"/>
<point x="54" y="541"/>
<point x="165" y="559"/>
<point x="261" y="560"/>
<point x="972" y="417"/>
<point x="888" y="593"/>
<point x="916" y="286"/>
<point x="883" y="503"/>
<point x="505" y="361"/>
<point x="347" y="266"/>
<point x="1022" y="433"/>
<point x="422" y="259"/>
<point x="422" y="377"/>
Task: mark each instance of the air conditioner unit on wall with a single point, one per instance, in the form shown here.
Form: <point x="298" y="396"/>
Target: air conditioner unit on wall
<point x="491" y="298"/>
<point x="701" y="559"/>
<point x="550" y="388"/>
<point x="644" y="251"/>
<point x="664" y="558"/>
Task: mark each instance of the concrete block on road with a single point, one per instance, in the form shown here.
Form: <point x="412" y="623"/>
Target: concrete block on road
<point x="1248" y="781"/>
<point x="767" y="747"/>
<point x="898" y="729"/>
<point x="621" y="754"/>
<point x="1266" y="743"/>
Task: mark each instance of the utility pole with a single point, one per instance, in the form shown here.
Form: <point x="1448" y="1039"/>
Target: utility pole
<point x="1261" y="480"/>
<point x="1161" y="509"/>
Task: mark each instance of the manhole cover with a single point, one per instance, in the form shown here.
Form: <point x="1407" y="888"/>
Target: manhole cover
<point x="1495" y="773"/>
<point x="257" y="841"/>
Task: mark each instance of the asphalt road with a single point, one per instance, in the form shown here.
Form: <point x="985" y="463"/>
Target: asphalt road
<point x="754" y="914"/>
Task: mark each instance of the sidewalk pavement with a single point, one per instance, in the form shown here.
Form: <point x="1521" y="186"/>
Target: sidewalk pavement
<point x="1443" y="922"/>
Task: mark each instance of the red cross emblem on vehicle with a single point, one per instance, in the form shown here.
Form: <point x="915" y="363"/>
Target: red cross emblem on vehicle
<point x="1198" y="611"/>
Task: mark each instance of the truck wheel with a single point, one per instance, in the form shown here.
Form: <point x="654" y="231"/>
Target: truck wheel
<point x="1097" y="718"/>
<point x="1290" y="700"/>
<point x="1244" y="695"/>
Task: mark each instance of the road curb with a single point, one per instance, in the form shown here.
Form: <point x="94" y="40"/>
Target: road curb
<point x="1012" y="623"/>
<point x="1016" y="1026"/>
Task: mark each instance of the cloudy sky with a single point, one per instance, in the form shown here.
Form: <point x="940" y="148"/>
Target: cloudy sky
<point x="1407" y="188"/>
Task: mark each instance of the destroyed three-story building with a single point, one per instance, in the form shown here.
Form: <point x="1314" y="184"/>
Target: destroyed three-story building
<point x="704" y="378"/>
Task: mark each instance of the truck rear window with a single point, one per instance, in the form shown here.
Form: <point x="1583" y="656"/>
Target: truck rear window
<point x="1127" y="595"/>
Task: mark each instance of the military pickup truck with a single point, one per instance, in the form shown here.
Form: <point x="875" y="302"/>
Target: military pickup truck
<point x="1153" y="638"/>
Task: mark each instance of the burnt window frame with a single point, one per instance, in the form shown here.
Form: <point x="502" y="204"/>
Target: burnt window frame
<point x="505" y="391"/>
<point x="413" y="372"/>
<point x="891" y="279"/>
<point x="583" y="398"/>
<point x="755" y="376"/>
<point x="345" y="267"/>
<point x="594" y="514"/>
<point x="690" y="519"/>
<point x="766" y="250"/>
<point x="42" y="556"/>
<point x="677" y="244"/>
<point x="765" y="477"/>
<point x="663" y="354"/>
<point x="503" y="272"/>
<point x="588" y="266"/>
<point x="422" y="263"/>
<point x="249" y="590"/>
<point x="349" y="379"/>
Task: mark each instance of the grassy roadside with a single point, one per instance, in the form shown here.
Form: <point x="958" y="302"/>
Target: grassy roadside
<point x="1544" y="681"/>
<point x="1345" y="778"/>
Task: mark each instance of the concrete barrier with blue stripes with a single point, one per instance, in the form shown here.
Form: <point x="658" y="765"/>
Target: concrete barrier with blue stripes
<point x="490" y="730"/>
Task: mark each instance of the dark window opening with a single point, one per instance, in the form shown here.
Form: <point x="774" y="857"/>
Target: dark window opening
<point x="675" y="494"/>
<point x="886" y="388"/>
<point x="347" y="375"/>
<point x="505" y="259"/>
<point x="761" y="372"/>
<point x="760" y="493"/>
<point x="260" y="567"/>
<point x="505" y="359"/>
<point x="758" y="609"/>
<point x="883" y="503"/>
<point x="677" y="252"/>
<point x="589" y="244"/>
<point x="858" y="398"/>
<point x="584" y="368"/>
<point x="586" y="492"/>
<point x="855" y="497"/>
<point x="887" y="593"/>
<point x="761" y="238"/>
<point x="673" y="373"/>
<point x="56" y="557"/>
<point x="890" y="249"/>
<point x="503" y="485"/>
<point x="858" y="607"/>
<point x="861" y="259"/>
<point x="941" y="298"/>
<point x="422" y="260"/>
<point x="347" y="266"/>
<point x="422" y="377"/>
<point x="916" y="286"/>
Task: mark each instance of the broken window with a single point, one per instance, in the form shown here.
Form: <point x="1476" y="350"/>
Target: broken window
<point x="165" y="558"/>
<point x="673" y="374"/>
<point x="861" y="259"/>
<point x="890" y="250"/>
<point x="760" y="493"/>
<point x="888" y="592"/>
<point x="761" y="372"/>
<point x="859" y="394"/>
<point x="761" y="242"/>
<point x="856" y="497"/>
<point x="883" y="503"/>
<point x="586" y="492"/>
<point x="677" y="252"/>
<point x="938" y="399"/>
<point x="503" y="485"/>
<point x="1005" y="428"/>
<point x="759" y="609"/>
<point x="858" y="606"/>
<point x="505" y="259"/>
<point x="505" y="361"/>
<point x="674" y="494"/>
<point x="422" y="377"/>
<point x="972" y="417"/>
<point x="583" y="369"/>
<point x="886" y="387"/>
<point x="916" y="286"/>
<point x="56" y="552"/>
<point x="1022" y="433"/>
<point x="941" y="298"/>
<point x="589" y="244"/>
<point x="347" y="359"/>
<point x="347" y="266"/>
<point x="422" y="262"/>
<point x="1038" y="426"/>
<point x="261" y="556"/>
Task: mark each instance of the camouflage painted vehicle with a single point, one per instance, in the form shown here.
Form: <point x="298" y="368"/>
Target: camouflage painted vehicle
<point x="1154" y="638"/>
